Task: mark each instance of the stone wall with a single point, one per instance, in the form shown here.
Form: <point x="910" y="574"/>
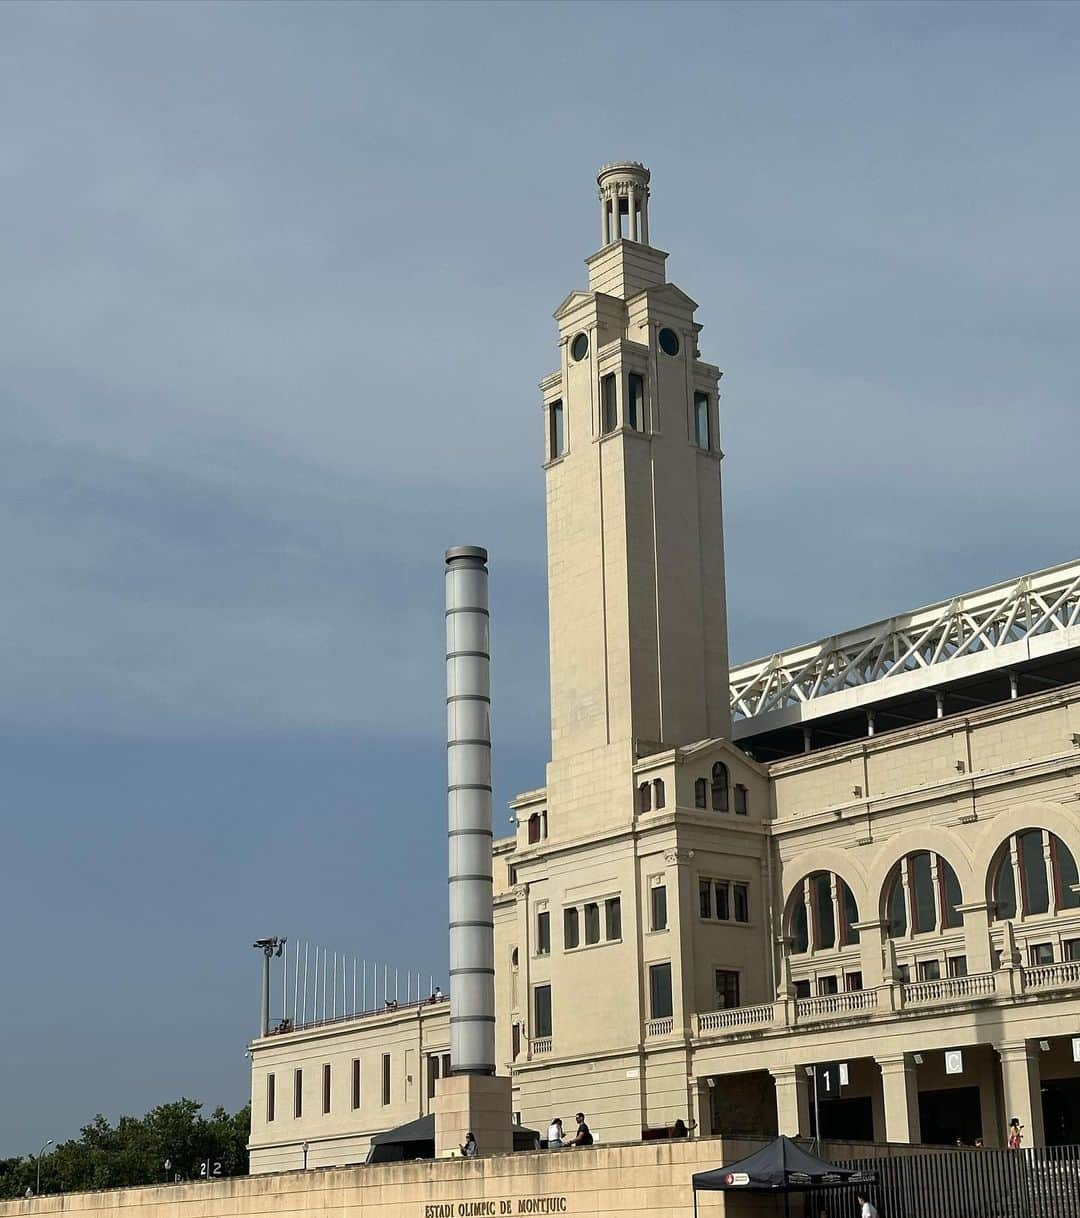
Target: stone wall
<point x="642" y="1181"/>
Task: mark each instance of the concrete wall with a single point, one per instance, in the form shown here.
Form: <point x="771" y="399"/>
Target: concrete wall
<point x="644" y="1181"/>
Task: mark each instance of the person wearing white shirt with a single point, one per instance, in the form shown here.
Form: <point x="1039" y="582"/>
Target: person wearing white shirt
<point x="868" y="1210"/>
<point x="555" y="1133"/>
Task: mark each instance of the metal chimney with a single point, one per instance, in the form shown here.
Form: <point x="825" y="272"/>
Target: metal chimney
<point x="468" y="764"/>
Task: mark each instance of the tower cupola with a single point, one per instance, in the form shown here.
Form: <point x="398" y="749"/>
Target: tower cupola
<point x="624" y="191"/>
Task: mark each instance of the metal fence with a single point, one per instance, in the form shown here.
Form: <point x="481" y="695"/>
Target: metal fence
<point x="1036" y="1183"/>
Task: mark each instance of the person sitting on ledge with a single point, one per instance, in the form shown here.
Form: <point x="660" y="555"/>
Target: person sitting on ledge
<point x="391" y="1004"/>
<point x="583" y="1137"/>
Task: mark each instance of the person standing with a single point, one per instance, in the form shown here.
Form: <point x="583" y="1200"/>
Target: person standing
<point x="555" y="1133"/>
<point x="868" y="1210"/>
<point x="583" y="1137"/>
<point x="1016" y="1134"/>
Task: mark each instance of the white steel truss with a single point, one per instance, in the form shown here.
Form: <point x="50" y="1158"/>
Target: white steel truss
<point x="994" y="628"/>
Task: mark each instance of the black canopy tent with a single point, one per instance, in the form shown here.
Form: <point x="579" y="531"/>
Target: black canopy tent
<point x="782" y="1167"/>
<point x="416" y="1140"/>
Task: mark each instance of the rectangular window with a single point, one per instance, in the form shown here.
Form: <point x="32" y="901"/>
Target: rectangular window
<point x="271" y="1084"/>
<point x="658" y="907"/>
<point x="802" y="989"/>
<point x="827" y="985"/>
<point x="1041" y="953"/>
<point x="386" y="1078"/>
<point x="741" y="894"/>
<point x="446" y="1065"/>
<point x="660" y="991"/>
<point x="723" y="904"/>
<point x="635" y="401"/>
<point x="556" y="437"/>
<point x="742" y="800"/>
<point x="534" y="829"/>
<point x="609" y="404"/>
<point x="904" y="970"/>
<point x="852" y="982"/>
<point x="356" y="1082"/>
<point x="298" y="1093"/>
<point x="701" y="420"/>
<point x="957" y="966"/>
<point x="1072" y="949"/>
<point x="613" y="918"/>
<point x="727" y="988"/>
<point x="929" y="970"/>
<point x="326" y="1088"/>
<point x="570" y="928"/>
<point x="592" y="922"/>
<point x="542" y="1011"/>
<point x="543" y="933"/>
<point x="432" y="1074"/>
<point x="705" y="898"/>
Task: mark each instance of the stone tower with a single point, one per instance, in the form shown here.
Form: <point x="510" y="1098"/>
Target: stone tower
<point x="638" y="631"/>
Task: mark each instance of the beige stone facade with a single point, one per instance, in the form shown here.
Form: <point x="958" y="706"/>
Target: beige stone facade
<point x="685" y="926"/>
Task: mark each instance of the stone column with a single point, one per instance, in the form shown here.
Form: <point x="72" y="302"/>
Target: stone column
<point x="631" y="224"/>
<point x="792" y="1101"/>
<point x="603" y="220"/>
<point x="1022" y="1091"/>
<point x="900" y="1089"/>
<point x="644" y="229"/>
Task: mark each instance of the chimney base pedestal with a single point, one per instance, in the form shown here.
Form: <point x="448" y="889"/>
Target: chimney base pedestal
<point x="476" y="1103"/>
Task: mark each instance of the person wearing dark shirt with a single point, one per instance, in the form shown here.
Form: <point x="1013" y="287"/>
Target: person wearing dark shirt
<point x="583" y="1137"/>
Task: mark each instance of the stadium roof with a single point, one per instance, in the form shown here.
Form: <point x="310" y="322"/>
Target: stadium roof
<point x="1021" y="630"/>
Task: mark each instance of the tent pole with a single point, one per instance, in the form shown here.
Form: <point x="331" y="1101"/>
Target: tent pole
<point x="695" y="1204"/>
<point x="787" y="1205"/>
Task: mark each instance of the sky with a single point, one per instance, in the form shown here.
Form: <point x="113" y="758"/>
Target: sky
<point x="276" y="295"/>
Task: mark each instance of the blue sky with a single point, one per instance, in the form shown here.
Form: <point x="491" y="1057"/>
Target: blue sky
<point x="277" y="291"/>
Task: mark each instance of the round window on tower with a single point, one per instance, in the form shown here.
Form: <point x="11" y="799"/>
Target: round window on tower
<point x="579" y="348"/>
<point x="669" y="342"/>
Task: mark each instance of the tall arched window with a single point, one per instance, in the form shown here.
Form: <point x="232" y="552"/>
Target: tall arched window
<point x="922" y="894"/>
<point x="720" y="787"/>
<point x="701" y="793"/>
<point x="822" y="913"/>
<point x="1034" y="873"/>
<point x="658" y="793"/>
<point x="645" y="797"/>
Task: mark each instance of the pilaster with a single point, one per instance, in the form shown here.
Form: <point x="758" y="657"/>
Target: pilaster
<point x="1022" y="1089"/>
<point x="792" y="1101"/>
<point x="900" y="1091"/>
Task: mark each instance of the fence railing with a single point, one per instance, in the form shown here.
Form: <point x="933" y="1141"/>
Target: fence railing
<point x="828" y="1005"/>
<point x="659" y="1027"/>
<point x="1043" y="1182"/>
<point x="948" y="989"/>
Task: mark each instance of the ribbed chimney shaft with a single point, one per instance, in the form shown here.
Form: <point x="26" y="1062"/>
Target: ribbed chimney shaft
<point x="468" y="763"/>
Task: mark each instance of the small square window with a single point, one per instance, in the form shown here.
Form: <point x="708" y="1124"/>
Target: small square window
<point x="802" y="989"/>
<point x="1041" y="953"/>
<point x="929" y="970"/>
<point x="827" y="985"/>
<point x="1072" y="949"/>
<point x="957" y="966"/>
<point x="852" y="982"/>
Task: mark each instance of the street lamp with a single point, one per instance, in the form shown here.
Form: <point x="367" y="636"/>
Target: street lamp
<point x="305" y="1155"/>
<point x="39" y="1154"/>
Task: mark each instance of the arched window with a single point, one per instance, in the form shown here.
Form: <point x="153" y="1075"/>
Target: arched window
<point x="701" y="793"/>
<point x="921" y="896"/>
<point x="822" y="913"/>
<point x="719" y="787"/>
<point x="645" y="797"/>
<point x="1034" y="873"/>
<point x="534" y="828"/>
<point x="658" y="793"/>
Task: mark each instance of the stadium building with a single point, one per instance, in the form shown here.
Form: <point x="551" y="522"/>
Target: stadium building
<point x="847" y="869"/>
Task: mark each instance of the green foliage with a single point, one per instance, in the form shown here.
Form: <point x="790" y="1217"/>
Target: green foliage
<point x="134" y="1151"/>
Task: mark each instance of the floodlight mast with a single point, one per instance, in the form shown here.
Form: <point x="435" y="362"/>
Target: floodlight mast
<point x="468" y="760"/>
<point x="269" y="947"/>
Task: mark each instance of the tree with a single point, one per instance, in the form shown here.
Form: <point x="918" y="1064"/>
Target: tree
<point x="134" y="1151"/>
